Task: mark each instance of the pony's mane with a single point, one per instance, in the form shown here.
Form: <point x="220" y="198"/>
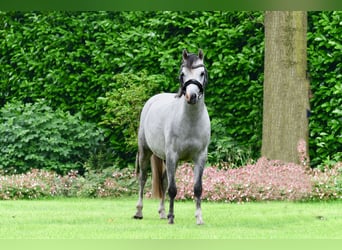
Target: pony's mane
<point x="190" y="60"/>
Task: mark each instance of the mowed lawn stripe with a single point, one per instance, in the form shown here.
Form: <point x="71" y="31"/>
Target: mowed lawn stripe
<point x="112" y="219"/>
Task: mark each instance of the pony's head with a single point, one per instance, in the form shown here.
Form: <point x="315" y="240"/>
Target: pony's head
<point x="193" y="77"/>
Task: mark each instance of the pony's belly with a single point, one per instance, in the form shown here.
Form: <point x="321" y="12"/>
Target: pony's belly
<point x="156" y="145"/>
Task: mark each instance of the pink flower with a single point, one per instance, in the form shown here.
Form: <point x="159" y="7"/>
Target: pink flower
<point x="302" y="152"/>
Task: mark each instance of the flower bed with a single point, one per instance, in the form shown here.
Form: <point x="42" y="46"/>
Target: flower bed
<point x="263" y="181"/>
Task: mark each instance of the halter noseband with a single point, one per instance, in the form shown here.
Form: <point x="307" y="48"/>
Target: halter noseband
<point x="192" y="81"/>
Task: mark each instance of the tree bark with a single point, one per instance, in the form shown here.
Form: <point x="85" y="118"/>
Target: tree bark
<point x="286" y="86"/>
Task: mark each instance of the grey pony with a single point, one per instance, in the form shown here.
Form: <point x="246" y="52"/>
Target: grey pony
<point x="173" y="128"/>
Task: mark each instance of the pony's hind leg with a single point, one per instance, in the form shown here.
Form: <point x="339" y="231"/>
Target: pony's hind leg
<point x="161" y="210"/>
<point x="198" y="172"/>
<point x="143" y="162"/>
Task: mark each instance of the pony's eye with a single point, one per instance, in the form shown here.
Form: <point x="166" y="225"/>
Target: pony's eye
<point x="202" y="73"/>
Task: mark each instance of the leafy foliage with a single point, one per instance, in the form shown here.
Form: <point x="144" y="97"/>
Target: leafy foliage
<point x="71" y="59"/>
<point x="122" y="108"/>
<point x="325" y="53"/>
<point x="57" y="56"/>
<point x="35" y="136"/>
<point x="224" y="151"/>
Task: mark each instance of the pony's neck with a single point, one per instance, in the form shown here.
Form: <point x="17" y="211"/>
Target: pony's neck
<point x="193" y="111"/>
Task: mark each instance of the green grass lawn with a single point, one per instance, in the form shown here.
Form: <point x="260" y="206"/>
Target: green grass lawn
<point x="111" y="219"/>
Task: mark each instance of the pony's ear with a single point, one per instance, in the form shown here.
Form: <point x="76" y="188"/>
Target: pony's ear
<point x="185" y="54"/>
<point x="200" y="54"/>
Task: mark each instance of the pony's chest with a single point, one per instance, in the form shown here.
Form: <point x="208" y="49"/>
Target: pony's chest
<point x="189" y="148"/>
<point x="188" y="142"/>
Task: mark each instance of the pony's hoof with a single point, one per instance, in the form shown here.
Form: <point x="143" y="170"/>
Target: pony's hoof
<point x="171" y="219"/>
<point x="198" y="215"/>
<point x="199" y="222"/>
<point x="162" y="215"/>
<point x="137" y="217"/>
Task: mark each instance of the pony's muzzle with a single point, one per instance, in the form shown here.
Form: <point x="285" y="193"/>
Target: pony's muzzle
<point x="192" y="94"/>
<point x="191" y="98"/>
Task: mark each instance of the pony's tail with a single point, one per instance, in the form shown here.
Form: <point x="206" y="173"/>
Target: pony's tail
<point x="158" y="170"/>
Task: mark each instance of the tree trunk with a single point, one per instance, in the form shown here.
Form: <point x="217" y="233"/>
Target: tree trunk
<point x="286" y="86"/>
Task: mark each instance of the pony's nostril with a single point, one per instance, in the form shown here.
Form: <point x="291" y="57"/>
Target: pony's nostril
<point x="193" y="97"/>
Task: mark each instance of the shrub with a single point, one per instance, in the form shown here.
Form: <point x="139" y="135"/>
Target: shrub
<point x="110" y="182"/>
<point x="264" y="180"/>
<point x="325" y="66"/>
<point x="120" y="183"/>
<point x="37" y="184"/>
<point x="122" y="106"/>
<point x="224" y="151"/>
<point x="35" y="136"/>
<point x="327" y="183"/>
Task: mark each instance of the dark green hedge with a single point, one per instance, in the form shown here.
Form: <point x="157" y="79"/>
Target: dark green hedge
<point x="70" y="59"/>
<point x="325" y="66"/>
<point x="35" y="136"/>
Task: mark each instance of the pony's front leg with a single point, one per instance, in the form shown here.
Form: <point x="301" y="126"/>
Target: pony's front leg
<point x="198" y="173"/>
<point x="172" y="189"/>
